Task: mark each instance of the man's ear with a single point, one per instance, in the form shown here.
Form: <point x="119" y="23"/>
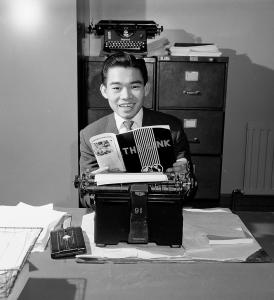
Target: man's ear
<point x="147" y="88"/>
<point x="103" y="89"/>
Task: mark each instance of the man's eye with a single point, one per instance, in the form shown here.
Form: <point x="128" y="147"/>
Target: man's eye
<point x="116" y="88"/>
<point x="136" y="86"/>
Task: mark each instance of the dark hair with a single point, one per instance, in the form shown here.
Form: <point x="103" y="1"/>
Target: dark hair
<point x="125" y="60"/>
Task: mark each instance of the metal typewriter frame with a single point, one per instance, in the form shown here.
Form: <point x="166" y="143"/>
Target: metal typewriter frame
<point x="183" y="185"/>
<point x="125" y="35"/>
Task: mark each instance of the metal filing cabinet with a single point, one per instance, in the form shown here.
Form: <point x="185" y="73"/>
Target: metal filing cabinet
<point x="194" y="89"/>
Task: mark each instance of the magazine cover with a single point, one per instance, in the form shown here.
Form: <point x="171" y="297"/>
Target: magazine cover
<point x="146" y="149"/>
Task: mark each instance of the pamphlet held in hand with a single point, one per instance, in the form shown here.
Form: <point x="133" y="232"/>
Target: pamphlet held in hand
<point x="145" y="149"/>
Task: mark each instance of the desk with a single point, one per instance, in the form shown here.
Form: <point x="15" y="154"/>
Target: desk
<point x="65" y="279"/>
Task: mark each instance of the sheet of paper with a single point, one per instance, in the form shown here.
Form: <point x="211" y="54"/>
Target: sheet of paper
<point x="24" y="215"/>
<point x="114" y="178"/>
<point x="218" y="223"/>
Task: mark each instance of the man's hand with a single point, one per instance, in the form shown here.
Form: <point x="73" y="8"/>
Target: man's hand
<point x="100" y="170"/>
<point x="179" y="167"/>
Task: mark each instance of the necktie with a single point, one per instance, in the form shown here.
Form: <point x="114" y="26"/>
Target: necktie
<point x="128" y="124"/>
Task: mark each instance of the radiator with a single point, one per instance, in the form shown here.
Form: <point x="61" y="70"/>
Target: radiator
<point x="259" y="159"/>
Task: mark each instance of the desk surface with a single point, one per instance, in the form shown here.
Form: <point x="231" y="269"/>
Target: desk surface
<point x="66" y="279"/>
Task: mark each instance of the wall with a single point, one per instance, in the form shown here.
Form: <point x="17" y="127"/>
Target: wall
<point x="243" y="30"/>
<point x="38" y="102"/>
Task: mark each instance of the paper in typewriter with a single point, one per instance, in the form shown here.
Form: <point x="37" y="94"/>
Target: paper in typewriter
<point x="146" y="149"/>
<point x="114" y="178"/>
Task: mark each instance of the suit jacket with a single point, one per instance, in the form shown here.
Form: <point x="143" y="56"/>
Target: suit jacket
<point x="150" y="118"/>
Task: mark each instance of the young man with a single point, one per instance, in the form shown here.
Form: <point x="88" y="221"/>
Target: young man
<point x="125" y="85"/>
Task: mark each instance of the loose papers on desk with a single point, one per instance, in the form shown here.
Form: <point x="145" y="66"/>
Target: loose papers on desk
<point x="198" y="225"/>
<point x="223" y="228"/>
<point x="24" y="215"/>
<point x="22" y="229"/>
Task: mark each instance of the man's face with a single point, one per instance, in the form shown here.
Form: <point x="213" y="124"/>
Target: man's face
<point x="125" y="90"/>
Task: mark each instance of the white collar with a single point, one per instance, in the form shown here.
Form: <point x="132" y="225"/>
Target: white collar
<point x="138" y="120"/>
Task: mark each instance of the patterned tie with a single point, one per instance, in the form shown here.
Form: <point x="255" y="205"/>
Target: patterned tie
<point x="128" y="124"/>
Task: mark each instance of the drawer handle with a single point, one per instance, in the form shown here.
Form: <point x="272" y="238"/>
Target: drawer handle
<point x="191" y="93"/>
<point x="194" y="141"/>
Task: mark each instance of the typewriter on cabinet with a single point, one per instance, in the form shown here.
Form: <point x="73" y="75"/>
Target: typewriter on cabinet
<point x="129" y="36"/>
<point x="137" y="213"/>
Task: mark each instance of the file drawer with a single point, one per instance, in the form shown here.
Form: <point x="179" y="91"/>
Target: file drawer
<point x="204" y="129"/>
<point x="93" y="82"/>
<point x="96" y="114"/>
<point x="191" y="84"/>
<point x="208" y="173"/>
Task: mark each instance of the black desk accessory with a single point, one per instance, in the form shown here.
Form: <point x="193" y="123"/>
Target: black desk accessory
<point x="67" y="242"/>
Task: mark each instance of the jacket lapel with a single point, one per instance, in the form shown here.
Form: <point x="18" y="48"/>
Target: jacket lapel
<point x="111" y="124"/>
<point x="146" y="117"/>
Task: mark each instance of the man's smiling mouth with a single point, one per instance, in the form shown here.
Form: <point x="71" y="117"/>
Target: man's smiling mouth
<point x="126" y="105"/>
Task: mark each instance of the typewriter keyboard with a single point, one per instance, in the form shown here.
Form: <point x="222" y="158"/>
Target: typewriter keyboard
<point x="125" y="45"/>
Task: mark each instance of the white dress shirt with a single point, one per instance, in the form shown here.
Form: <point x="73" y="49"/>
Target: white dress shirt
<point x="137" y="119"/>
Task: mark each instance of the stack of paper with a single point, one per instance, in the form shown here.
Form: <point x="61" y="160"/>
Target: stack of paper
<point x="219" y="226"/>
<point x="181" y="49"/>
<point x="24" y="215"/>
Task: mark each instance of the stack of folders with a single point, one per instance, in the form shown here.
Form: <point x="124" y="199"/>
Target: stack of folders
<point x="194" y="49"/>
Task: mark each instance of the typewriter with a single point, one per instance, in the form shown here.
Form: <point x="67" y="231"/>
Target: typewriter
<point x="129" y="36"/>
<point x="137" y="213"/>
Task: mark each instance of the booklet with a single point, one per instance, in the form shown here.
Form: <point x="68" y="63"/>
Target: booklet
<point x="145" y="149"/>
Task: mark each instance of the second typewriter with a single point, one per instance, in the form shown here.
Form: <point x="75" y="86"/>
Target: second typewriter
<point x="126" y="35"/>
